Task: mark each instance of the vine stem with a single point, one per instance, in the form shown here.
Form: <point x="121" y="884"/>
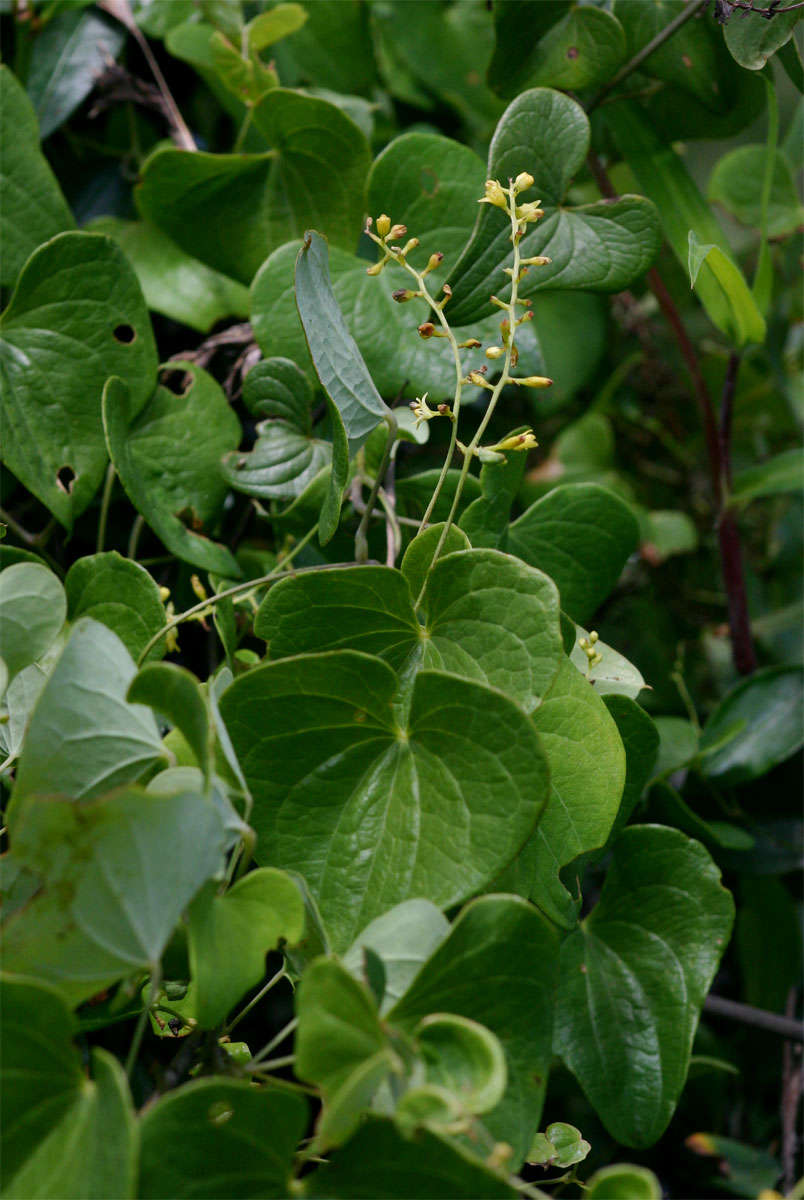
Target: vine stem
<point x="691" y="10"/>
<point x="361" y="539"/>
<point x="759" y="1017"/>
<point x="275" y="1041"/>
<point x="134" y="536"/>
<point x="106" y="500"/>
<point x="272" y="982"/>
<point x="243" y="130"/>
<point x="495" y="395"/>
<point x="136" y="1041"/>
<point x="717" y="435"/>
<point x="277" y="572"/>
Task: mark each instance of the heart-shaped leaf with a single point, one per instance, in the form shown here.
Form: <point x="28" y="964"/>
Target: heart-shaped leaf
<point x="230" y="935"/>
<point x="488" y="618"/>
<point x="77" y="316"/>
<point x="169" y="463"/>
<point x="208" y="1139"/>
<point x="614" y="675"/>
<point x="174" y="283"/>
<point x="467" y="759"/>
<point x="753" y="40"/>
<point x="79" y="930"/>
<point x="33" y="605"/>
<point x="84" y="704"/>
<point x="580" y="50"/>
<point x="32" y="207"/>
<point x="498" y="966"/>
<point x="286" y="456"/>
<point x="581" y="535"/>
<point x="231" y="210"/>
<point x="598" y="247"/>
<point x="63" y="1133"/>
<point x="120" y="594"/>
<point x="634" y="978"/>
<point x="403" y="939"/>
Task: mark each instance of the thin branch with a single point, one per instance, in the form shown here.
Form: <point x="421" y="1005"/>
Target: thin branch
<point x="691" y="10"/>
<point x="792" y="1083"/>
<point x="773" y="11"/>
<point x="758" y="1017"/>
<point x="731" y="557"/>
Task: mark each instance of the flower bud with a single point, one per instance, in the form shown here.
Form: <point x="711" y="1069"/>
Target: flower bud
<point x="538" y="260"/>
<point x="426" y="329"/>
<point x="411" y="245"/>
<point x="433" y="261"/>
<point x="529" y="212"/>
<point x="518" y="441"/>
<point x="469" y="344"/>
<point x="401" y="295"/>
<point x="494" y="194"/>
<point x="534" y="381"/>
<point x="375" y="270"/>
<point x="476" y="377"/>
<point x="383" y="225"/>
<point x="494" y="352"/>
<point x="198" y="587"/>
<point x="164" y="594"/>
<point x="523" y="181"/>
<point x="396" y="232"/>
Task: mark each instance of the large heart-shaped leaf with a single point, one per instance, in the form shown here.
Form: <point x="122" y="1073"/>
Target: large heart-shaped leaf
<point x="63" y="1134"/>
<point x="79" y="928"/>
<point x="169" y="461"/>
<point x="361" y="806"/>
<point x="488" y="618"/>
<point x="32" y="207"/>
<point x="498" y="966"/>
<point x="634" y="978"/>
<point x="581" y="49"/>
<point x="231" y="210"/>
<point x="581" y="535"/>
<point x="84" y="738"/>
<point x="597" y="247"/>
<point x="220" y="1137"/>
<point x="76" y="317"/>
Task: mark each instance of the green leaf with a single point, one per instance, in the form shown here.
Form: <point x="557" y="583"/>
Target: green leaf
<point x="79" y="930"/>
<point x="746" y="322"/>
<point x="584" y="48"/>
<point x="498" y="967"/>
<point x="174" y="283"/>
<point x="286" y="456"/>
<point x="120" y="594"/>
<point x="334" y="48"/>
<point x="662" y="175"/>
<point x="736" y="184"/>
<point x="67" y="57"/>
<point x="678" y="745"/>
<point x="380" y="1161"/>
<point x="623" y="1181"/>
<point x="403" y="938"/>
<point x="208" y="1139"/>
<point x="667" y="533"/>
<point x="168" y="461"/>
<point x="230" y="935"/>
<point x="751" y="1171"/>
<point x="487" y="618"/>
<point x="314" y="176"/>
<point x="559" y="1146"/>
<point x="614" y="675"/>
<point x="33" y="605"/>
<point x="667" y="806"/>
<point x="753" y="39"/>
<point x="418" y="557"/>
<point x="598" y="247"/>
<point x="174" y="692"/>
<point x="768" y="942"/>
<point x="783" y="473"/>
<point x="338" y="362"/>
<point x="269" y="27"/>
<point x="330" y="514"/>
<point x="467" y="759"/>
<point x="64" y="1134"/>
<point x="581" y="535"/>
<point x="32" y="207"/>
<point x="464" y="1058"/>
<point x="84" y="704"/>
<point x="77" y="316"/>
<point x="485" y="521"/>
<point x="757" y="725"/>
<point x="634" y="978"/>
<point x="587" y="776"/>
<point x="688" y="60"/>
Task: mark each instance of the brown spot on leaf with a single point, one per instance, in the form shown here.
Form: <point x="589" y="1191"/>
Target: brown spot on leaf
<point x="572" y="52"/>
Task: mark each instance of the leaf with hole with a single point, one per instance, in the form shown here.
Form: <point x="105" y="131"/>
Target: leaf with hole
<point x="634" y="978"/>
<point x="76" y="317"/>
<point x="466" y="759"/>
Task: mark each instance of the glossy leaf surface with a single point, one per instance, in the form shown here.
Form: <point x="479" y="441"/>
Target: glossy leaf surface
<point x="121" y="595"/>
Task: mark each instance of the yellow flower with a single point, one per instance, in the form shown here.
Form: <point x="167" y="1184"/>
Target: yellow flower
<point x="495" y="194"/>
